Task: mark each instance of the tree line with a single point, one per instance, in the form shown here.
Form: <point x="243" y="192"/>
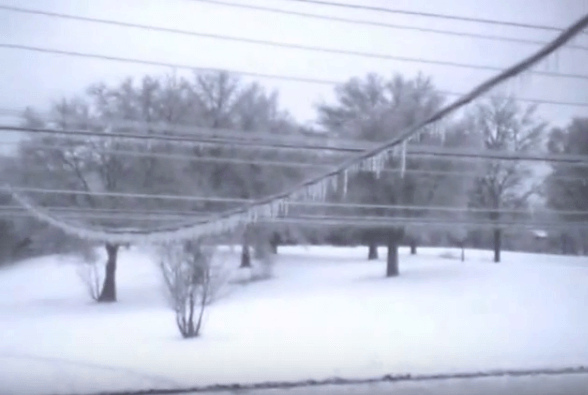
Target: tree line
<point x="373" y="108"/>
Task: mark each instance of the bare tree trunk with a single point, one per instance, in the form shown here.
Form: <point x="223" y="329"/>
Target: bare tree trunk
<point x="566" y="247"/>
<point x="497" y="244"/>
<point x="108" y="293"/>
<point x="372" y="251"/>
<point x="393" y="241"/>
<point x="245" y="255"/>
<point x="462" y="246"/>
<point x="372" y="245"/>
<point x="274" y="242"/>
<point x="413" y="246"/>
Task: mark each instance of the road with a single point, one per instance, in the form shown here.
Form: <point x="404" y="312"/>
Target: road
<point x="569" y="384"/>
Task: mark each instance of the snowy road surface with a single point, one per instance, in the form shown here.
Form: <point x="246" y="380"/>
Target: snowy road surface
<point x="572" y="384"/>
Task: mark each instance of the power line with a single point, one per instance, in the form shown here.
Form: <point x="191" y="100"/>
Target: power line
<point x="147" y="212"/>
<point x="195" y="135"/>
<point x="171" y="138"/>
<point x="307" y="204"/>
<point x="285" y="164"/>
<point x="167" y="64"/>
<point x="452" y="33"/>
<point x="279" y="77"/>
<point x="417" y="150"/>
<point x="371" y="222"/>
<point x="395" y="222"/>
<point x="8" y="111"/>
<point x="316" y="81"/>
<point x="433" y="15"/>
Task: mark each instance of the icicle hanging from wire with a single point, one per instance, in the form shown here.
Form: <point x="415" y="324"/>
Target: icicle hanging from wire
<point x="317" y="191"/>
<point x="436" y="128"/>
<point x="374" y="164"/>
<point x="345" y="182"/>
<point x="333" y="182"/>
<point x="403" y="160"/>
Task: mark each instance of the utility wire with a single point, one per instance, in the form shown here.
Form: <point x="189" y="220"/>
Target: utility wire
<point x="233" y="138"/>
<point x="176" y="66"/>
<point x="285" y="164"/>
<point x="487" y="21"/>
<point x="147" y="212"/>
<point x="325" y="204"/>
<point x="279" y="77"/>
<point x="364" y="22"/>
<point x="15" y="112"/>
<point x="371" y="222"/>
<point x="232" y="142"/>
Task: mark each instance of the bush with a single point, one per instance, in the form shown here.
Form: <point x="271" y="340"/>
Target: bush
<point x="191" y="281"/>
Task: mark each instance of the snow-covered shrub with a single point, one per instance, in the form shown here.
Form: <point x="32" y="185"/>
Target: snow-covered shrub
<point x="192" y="282"/>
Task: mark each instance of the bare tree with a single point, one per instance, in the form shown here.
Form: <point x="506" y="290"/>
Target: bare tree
<point x="504" y="126"/>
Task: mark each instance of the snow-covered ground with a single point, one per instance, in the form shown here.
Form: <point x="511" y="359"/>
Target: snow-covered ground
<point x="328" y="312"/>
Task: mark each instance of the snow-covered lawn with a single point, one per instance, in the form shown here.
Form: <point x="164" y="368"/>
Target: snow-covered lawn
<point x="328" y="312"/>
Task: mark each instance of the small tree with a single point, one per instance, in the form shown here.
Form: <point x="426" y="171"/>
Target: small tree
<point x="191" y="282"/>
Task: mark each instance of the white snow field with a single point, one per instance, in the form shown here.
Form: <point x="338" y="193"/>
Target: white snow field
<point x="327" y="312"/>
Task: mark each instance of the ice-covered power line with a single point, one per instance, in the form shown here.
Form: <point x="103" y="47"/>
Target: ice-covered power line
<point x="487" y="21"/>
<point x="235" y="141"/>
<point x="333" y="205"/>
<point x="297" y="164"/>
<point x="301" y="204"/>
<point x="326" y="221"/>
<point x="314" y="188"/>
<point x="122" y="59"/>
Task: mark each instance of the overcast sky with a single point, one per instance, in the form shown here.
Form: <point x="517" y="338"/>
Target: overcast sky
<point x="34" y="79"/>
